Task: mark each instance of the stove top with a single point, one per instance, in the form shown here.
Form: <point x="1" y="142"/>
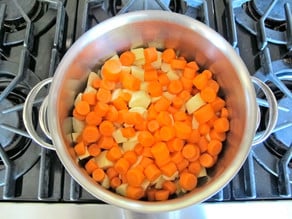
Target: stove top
<point x="35" y="34"/>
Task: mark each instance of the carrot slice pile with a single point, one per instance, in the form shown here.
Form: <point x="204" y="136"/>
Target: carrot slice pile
<point x="150" y="124"/>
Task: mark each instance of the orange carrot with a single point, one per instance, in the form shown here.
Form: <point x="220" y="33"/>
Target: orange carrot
<point x="161" y="195"/>
<point x="152" y="172"/>
<point x="111" y="172"/>
<point x="194" y="137"/>
<point x="106" y="128"/>
<point x="208" y="94"/>
<point x="127" y="58"/>
<point x="177" y="157"/>
<point x="163" y="79"/>
<point x="111" y="69"/>
<point x="213" y="84"/>
<point x="150" y="54"/>
<point x="178" y="63"/>
<point x="130" y="82"/>
<point x="90" y="98"/>
<point x="106" y="142"/>
<point x="195" y="167"/>
<point x="103" y="95"/>
<point x="193" y="65"/>
<point x="169" y="169"/>
<point x="90" y="166"/>
<point x="191" y="152"/>
<point x="101" y="109"/>
<point x="150" y="75"/>
<point x="180" y="116"/>
<point x="79" y="148"/>
<point x="169" y="186"/>
<point x="204" y="114"/>
<point x="168" y="55"/>
<point x="135" y="177"/>
<point x="162" y="104"/>
<point x="182" y="130"/>
<point x="189" y="73"/>
<point x="175" y="144"/>
<point x="186" y="83"/>
<point x="82" y="108"/>
<point x="200" y="81"/>
<point x="76" y="115"/>
<point x="145" y="138"/>
<point x="204" y="129"/>
<point x="93" y="149"/>
<point x="160" y="153"/>
<point x="177" y="102"/>
<point x="130" y="156"/>
<point x="224" y="112"/>
<point x="108" y="85"/>
<point x="119" y="103"/>
<point x="175" y="87"/>
<point x="221" y="125"/>
<point x="203" y="144"/>
<point x="167" y="133"/>
<point x="188" y="181"/>
<point x="90" y="134"/>
<point x="98" y="174"/>
<point x="115" y="182"/>
<point x="154" y="89"/>
<point x="92" y="118"/>
<point x="112" y="114"/>
<point x="214" y="147"/>
<point x="181" y="166"/>
<point x="217" y="104"/>
<point x="164" y="118"/>
<point x="221" y="136"/>
<point x="128" y="132"/>
<point x="114" y="153"/>
<point x="206" y="160"/>
<point x="134" y="192"/>
<point x="122" y="165"/>
<point x="153" y="125"/>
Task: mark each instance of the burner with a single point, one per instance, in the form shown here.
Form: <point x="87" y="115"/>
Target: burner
<point x="13" y="18"/>
<point x="249" y="13"/>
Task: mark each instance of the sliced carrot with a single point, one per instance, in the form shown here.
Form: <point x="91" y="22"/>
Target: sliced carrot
<point x="145" y="161"/>
<point x="152" y="172"/>
<point x="183" y="130"/>
<point x="111" y="69"/>
<point x="178" y="63"/>
<point x="90" y="134"/>
<point x="221" y="125"/>
<point x="203" y="144"/>
<point x="189" y="73"/>
<point x="106" y="142"/>
<point x="224" y="112"/>
<point x="208" y="94"/>
<point x="147" y="152"/>
<point x="186" y="83"/>
<point x="130" y="82"/>
<point x="200" y="81"/>
<point x="152" y="113"/>
<point x="92" y="118"/>
<point x="115" y="182"/>
<point x="167" y="133"/>
<point x="93" y="149"/>
<point x="150" y="54"/>
<point x="125" y="96"/>
<point x="119" y="103"/>
<point x="90" y="166"/>
<point x="194" y="137"/>
<point x="108" y="85"/>
<point x="138" y="149"/>
<point x="164" y="118"/>
<point x="128" y="132"/>
<point x="180" y="116"/>
<point x="145" y="138"/>
<point x="168" y="55"/>
<point x="175" y="86"/>
<point x="122" y="165"/>
<point x="185" y="95"/>
<point x="76" y="115"/>
<point x="127" y="58"/>
<point x="217" y="104"/>
<point x="169" y="169"/>
<point x="191" y="152"/>
<point x="160" y="153"/>
<point x="181" y="166"/>
<point x="150" y="75"/>
<point x="103" y="95"/>
<point x="193" y="65"/>
<point x="188" y="181"/>
<point x="206" y="160"/>
<point x="96" y="83"/>
<point x="221" y="136"/>
<point x="130" y="156"/>
<point x="163" y="79"/>
<point x="134" y="192"/>
<point x="161" y="195"/>
<point x="150" y="193"/>
<point x="106" y="128"/>
<point x="135" y="177"/>
<point x="177" y="102"/>
<point x="111" y="172"/>
<point x="175" y="144"/>
<point x="98" y="174"/>
<point x="208" y="73"/>
<point x="101" y="109"/>
<point x="79" y="148"/>
<point x="177" y="157"/>
<point x="162" y="104"/>
<point x="154" y="89"/>
<point x="195" y="167"/>
<point x="114" y="153"/>
<point x="90" y="98"/>
<point x="204" y="114"/>
<point x="214" y="147"/>
<point x="204" y="129"/>
<point x="169" y="186"/>
<point x="112" y="114"/>
<point x="82" y="108"/>
<point x="153" y="125"/>
<point x="213" y="84"/>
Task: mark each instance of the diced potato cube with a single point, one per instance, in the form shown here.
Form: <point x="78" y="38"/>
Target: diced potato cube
<point x="138" y="72"/>
<point x="144" y="86"/>
<point x="159" y="182"/>
<point x="194" y="103"/>
<point x="157" y="64"/>
<point x="168" y="95"/>
<point x="122" y="189"/>
<point x="116" y="93"/>
<point x="102" y="160"/>
<point x="140" y="110"/>
<point x="89" y="89"/>
<point x="139" y="53"/>
<point x="74" y="136"/>
<point x="77" y="125"/>
<point x="140" y="99"/>
<point x="203" y="172"/>
<point x="91" y="77"/>
<point x="165" y="67"/>
<point x="118" y="136"/>
<point x="78" y="99"/>
<point x="145" y="184"/>
<point x="105" y="182"/>
<point x="129" y="145"/>
<point x="195" y="123"/>
<point x="172" y="75"/>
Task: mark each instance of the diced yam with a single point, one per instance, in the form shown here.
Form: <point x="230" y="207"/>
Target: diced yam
<point x="172" y="75"/>
<point x="105" y="182"/>
<point x="91" y="77"/>
<point x="203" y="172"/>
<point x="194" y="103"/>
<point x="77" y="125"/>
<point x="122" y="189"/>
<point x="102" y="160"/>
<point x="141" y="110"/>
<point x="139" y="53"/>
<point x="78" y="99"/>
<point x="138" y="72"/>
<point x="140" y="99"/>
<point x="118" y="136"/>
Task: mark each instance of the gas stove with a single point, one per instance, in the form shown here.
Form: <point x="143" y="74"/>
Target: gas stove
<point x="35" y="34"/>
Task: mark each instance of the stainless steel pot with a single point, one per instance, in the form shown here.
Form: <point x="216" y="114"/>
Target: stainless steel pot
<point x="161" y="29"/>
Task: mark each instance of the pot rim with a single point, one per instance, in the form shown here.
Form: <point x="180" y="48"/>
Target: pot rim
<point x="108" y="196"/>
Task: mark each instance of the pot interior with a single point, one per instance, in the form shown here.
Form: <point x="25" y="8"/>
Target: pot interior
<point x="163" y="30"/>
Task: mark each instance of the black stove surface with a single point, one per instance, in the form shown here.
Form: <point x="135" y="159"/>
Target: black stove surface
<point x="35" y="34"/>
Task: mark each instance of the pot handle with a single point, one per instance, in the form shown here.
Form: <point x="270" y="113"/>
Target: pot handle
<point x="273" y="112"/>
<point x="27" y="115"/>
